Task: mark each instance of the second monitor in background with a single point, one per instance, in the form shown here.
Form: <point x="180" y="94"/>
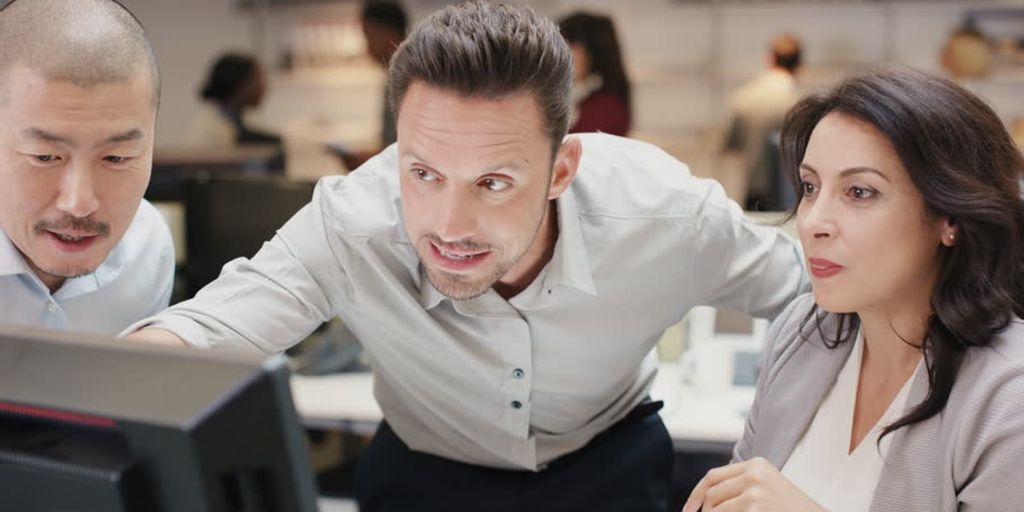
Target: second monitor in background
<point x="231" y="217"/>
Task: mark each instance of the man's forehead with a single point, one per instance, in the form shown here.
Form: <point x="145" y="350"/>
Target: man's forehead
<point x="434" y="121"/>
<point x="424" y="100"/>
<point x="31" y="84"/>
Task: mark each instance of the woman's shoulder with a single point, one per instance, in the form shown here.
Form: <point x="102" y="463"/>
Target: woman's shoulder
<point x="1001" y="360"/>
<point x="986" y="412"/>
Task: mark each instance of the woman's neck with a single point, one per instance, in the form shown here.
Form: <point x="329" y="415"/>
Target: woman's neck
<point x="893" y="336"/>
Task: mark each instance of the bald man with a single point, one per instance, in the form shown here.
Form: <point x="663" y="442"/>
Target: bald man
<point x="79" y="248"/>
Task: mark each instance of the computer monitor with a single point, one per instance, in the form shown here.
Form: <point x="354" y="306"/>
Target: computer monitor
<point x="99" y="424"/>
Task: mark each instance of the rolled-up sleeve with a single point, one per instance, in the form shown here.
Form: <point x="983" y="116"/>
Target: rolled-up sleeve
<point x="269" y="302"/>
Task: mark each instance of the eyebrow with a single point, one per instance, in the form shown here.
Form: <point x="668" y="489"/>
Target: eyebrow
<point x="130" y="135"/>
<point x="414" y="156"/>
<point x="506" y="166"/>
<point x="39" y="133"/>
<point x="488" y="170"/>
<point x="851" y="171"/>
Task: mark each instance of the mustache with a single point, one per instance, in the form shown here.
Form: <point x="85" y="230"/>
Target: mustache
<point x="468" y="245"/>
<point x="74" y="224"/>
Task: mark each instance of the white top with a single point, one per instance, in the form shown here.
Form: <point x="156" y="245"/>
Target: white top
<point x="821" y="466"/>
<point x="134" y="281"/>
<point x="505" y="383"/>
<point x="210" y="129"/>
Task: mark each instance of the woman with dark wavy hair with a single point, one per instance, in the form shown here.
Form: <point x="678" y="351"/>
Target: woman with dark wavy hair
<point x="898" y="384"/>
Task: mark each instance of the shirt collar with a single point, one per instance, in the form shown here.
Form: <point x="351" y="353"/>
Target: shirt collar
<point x="102" y="276"/>
<point x="12" y="262"/>
<point x="430" y="297"/>
<point x="569" y="265"/>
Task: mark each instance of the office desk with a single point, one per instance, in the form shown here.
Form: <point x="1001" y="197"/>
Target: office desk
<point x="342" y="401"/>
<point x="702" y="422"/>
<point x="703" y="426"/>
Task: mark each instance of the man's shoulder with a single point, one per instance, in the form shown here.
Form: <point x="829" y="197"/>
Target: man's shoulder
<point x="147" y="243"/>
<point x="627" y="178"/>
<point x="366" y="202"/>
<point x="149" y="229"/>
<point x="769" y="92"/>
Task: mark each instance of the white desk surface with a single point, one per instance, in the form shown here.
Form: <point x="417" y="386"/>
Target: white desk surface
<point x="693" y="418"/>
<point x="337" y="505"/>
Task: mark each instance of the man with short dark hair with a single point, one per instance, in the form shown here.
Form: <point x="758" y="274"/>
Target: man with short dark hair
<point x="508" y="283"/>
<point x="751" y="170"/>
<point x="384" y="25"/>
<point x="79" y="248"/>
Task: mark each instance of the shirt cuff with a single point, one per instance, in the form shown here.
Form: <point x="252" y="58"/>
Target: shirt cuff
<point x="184" y="328"/>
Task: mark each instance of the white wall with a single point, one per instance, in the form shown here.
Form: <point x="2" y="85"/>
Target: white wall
<point x="685" y="58"/>
<point x="187" y="35"/>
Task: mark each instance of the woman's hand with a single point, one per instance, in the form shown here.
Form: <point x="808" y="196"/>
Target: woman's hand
<point x="754" y="485"/>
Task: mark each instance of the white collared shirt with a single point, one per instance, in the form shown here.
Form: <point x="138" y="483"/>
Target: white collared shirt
<point x="822" y="466"/>
<point x="135" y="280"/>
<point x="505" y="383"/>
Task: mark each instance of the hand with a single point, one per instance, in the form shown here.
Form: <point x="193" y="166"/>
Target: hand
<point x="754" y="485"/>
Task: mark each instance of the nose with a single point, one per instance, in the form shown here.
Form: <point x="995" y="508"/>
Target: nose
<point x="455" y="219"/>
<point x="77" y="195"/>
<point x="816" y="218"/>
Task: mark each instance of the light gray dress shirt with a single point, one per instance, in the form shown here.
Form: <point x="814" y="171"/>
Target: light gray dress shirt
<point x="135" y="281"/>
<point x="505" y="383"/>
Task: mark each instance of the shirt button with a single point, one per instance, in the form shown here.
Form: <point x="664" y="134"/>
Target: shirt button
<point x="51" y="306"/>
<point x="518" y="374"/>
<point x="516" y="404"/>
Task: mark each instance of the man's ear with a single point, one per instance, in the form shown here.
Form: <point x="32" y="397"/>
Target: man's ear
<point x="567" y="162"/>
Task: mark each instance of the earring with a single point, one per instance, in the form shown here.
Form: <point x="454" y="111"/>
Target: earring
<point x="951" y="237"/>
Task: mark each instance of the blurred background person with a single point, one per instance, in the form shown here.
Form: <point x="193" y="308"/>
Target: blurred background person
<point x="235" y="85"/>
<point x="384" y="24"/>
<point x="601" y="95"/>
<point x="967" y="53"/>
<point x="750" y="162"/>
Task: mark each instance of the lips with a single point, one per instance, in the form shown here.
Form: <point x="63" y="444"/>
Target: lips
<point x="71" y="241"/>
<point x="821" y="267"/>
<point x="455" y="260"/>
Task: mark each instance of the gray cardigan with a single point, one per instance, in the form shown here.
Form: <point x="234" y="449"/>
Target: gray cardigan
<point x="970" y="457"/>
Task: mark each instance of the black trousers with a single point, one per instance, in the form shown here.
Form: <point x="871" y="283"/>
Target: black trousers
<point x="627" y="468"/>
